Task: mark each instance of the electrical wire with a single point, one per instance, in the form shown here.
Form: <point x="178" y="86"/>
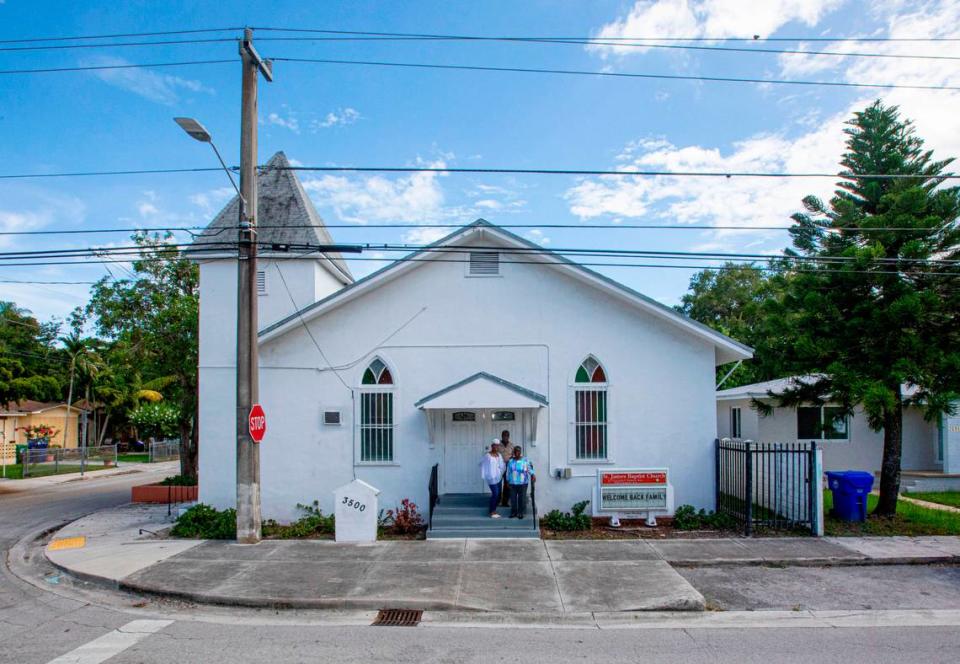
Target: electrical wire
<point x="166" y="42"/>
<point x="495" y="171"/>
<point x="605" y="42"/>
<point x="52" y="70"/>
<point x="122" y="35"/>
<point x="614" y="74"/>
<point x="754" y="38"/>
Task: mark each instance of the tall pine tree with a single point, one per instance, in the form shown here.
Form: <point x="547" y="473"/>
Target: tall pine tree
<point x="872" y="303"/>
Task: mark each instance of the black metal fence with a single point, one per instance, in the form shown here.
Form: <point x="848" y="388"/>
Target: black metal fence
<point x="768" y="485"/>
<point x="433" y="487"/>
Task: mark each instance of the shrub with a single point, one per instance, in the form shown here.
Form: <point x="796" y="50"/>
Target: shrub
<point x="686" y="517"/>
<point x="405" y="520"/>
<point x="178" y="480"/>
<point x="313" y="522"/>
<point x="206" y="522"/>
<point x="568" y="521"/>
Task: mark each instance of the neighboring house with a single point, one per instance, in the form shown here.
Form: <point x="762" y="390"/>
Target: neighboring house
<point x="427" y="360"/>
<point x="14" y="415"/>
<point x="847" y="442"/>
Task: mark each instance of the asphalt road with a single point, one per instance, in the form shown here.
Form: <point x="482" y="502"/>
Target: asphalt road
<point x="66" y="622"/>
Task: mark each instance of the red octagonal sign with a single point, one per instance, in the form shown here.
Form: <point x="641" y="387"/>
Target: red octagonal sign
<point x="257" y="422"/>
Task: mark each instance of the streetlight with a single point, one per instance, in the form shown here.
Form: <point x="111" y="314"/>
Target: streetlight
<point x="198" y="132"/>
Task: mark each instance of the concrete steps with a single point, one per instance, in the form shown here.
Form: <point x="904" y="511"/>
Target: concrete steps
<point x="465" y="515"/>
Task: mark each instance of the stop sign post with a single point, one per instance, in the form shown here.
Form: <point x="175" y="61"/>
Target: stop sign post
<point x="257" y="422"/>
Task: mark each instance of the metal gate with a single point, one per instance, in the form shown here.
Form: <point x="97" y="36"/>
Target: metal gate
<point x="768" y="485"/>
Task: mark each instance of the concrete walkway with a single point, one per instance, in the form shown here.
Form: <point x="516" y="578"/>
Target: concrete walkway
<point x="929" y="505"/>
<point x="552" y="576"/>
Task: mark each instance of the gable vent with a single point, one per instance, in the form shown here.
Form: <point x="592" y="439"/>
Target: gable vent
<point x="484" y="264"/>
<point x="261" y="282"/>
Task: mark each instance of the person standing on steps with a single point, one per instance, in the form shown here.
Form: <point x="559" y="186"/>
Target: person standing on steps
<point x="506" y="451"/>
<point x="492" y="469"/>
<point x="519" y="475"/>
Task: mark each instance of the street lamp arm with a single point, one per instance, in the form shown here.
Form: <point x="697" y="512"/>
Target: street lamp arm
<point x="226" y="169"/>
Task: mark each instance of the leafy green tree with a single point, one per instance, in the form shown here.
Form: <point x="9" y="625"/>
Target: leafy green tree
<point x="29" y="365"/>
<point x="83" y="363"/>
<point x="734" y="299"/>
<point x="873" y="302"/>
<point x="154" y="316"/>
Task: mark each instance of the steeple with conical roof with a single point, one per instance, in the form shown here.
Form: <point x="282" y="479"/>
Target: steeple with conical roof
<point x="285" y="217"/>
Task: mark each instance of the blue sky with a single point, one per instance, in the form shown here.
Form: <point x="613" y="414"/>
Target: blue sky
<point x="343" y="115"/>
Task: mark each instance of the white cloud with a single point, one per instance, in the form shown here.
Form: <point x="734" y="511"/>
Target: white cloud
<point x="426" y="235"/>
<point x="818" y="148"/>
<point x="409" y="199"/>
<point x="536" y="235"/>
<point x="158" y="87"/>
<point x="707" y="18"/>
<point x="339" y="117"/>
<point x="488" y="204"/>
<point x="37" y="211"/>
<point x="210" y="202"/>
<point x="288" y="122"/>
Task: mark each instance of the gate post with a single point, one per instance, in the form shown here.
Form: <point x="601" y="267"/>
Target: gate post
<point x="749" y="487"/>
<point x="716" y="474"/>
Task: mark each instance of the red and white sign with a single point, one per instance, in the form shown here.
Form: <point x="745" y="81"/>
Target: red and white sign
<point x="257" y="422"/>
<point x="633" y="478"/>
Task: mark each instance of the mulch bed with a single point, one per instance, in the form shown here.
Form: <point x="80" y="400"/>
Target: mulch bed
<point x="632" y="529"/>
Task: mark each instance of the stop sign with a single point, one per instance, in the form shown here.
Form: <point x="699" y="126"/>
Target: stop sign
<point x="257" y="422"/>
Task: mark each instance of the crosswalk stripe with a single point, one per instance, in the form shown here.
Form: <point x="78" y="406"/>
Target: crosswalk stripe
<point x="112" y="643"/>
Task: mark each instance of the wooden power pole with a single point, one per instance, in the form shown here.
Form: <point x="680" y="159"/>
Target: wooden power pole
<point x="248" y="452"/>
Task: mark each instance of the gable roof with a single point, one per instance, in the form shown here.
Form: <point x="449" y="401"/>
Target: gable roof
<point x="761" y="390"/>
<point x="459" y="395"/>
<point x="285" y="216"/>
<point x="30" y="407"/>
<point x="727" y="349"/>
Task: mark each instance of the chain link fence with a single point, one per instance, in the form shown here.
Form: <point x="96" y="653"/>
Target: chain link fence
<point x="39" y="462"/>
<point x="164" y="450"/>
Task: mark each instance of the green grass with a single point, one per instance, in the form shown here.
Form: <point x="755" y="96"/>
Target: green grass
<point x="951" y="498"/>
<point x="910" y="520"/>
<point x="133" y="458"/>
<point x="15" y="471"/>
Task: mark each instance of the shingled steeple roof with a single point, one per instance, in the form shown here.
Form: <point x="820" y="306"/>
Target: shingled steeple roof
<point x="285" y="216"/>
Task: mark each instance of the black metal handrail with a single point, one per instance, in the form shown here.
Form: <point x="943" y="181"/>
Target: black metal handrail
<point x="434" y="492"/>
<point x="533" y="500"/>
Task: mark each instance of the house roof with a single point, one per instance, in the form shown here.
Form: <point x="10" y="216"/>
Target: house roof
<point x="483" y="390"/>
<point x="285" y="216"/>
<point x="727" y="349"/>
<point x="761" y="390"/>
<point x="30" y="407"/>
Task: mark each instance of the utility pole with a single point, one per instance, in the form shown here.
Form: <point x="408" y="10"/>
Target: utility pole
<point x="248" y="393"/>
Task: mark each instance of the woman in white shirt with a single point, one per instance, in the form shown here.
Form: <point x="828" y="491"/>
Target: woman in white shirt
<point x="491" y="469"/>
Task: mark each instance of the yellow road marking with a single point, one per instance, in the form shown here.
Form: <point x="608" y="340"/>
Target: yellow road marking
<point x="68" y="543"/>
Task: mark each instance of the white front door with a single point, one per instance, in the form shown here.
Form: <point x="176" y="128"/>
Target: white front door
<point x="463" y="448"/>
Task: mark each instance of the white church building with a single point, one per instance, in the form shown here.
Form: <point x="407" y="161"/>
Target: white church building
<point x="425" y="361"/>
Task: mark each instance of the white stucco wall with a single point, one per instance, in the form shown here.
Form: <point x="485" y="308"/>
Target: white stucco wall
<point x="308" y="281"/>
<point x="532" y="326"/>
<point x="863" y="450"/>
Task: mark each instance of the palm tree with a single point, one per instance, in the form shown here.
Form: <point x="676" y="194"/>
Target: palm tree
<point x="82" y="353"/>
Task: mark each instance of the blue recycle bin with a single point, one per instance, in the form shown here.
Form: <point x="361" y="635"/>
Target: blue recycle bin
<point x="850" y="489"/>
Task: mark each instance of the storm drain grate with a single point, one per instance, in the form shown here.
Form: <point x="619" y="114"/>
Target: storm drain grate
<point x="398" y="618"/>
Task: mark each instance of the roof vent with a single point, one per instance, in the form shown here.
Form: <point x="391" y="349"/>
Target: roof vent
<point x="261" y="282"/>
<point x="484" y="264"/>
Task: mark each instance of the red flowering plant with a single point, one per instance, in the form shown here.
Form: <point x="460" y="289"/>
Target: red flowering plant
<point x="38" y="431"/>
<point x="406" y="519"/>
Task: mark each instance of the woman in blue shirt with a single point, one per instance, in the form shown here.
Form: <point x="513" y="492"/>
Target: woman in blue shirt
<point x="519" y="475"/>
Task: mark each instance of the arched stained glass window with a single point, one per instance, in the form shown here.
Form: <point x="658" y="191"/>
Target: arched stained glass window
<point x="377" y="374"/>
<point x="591" y="371"/>
<point x="376" y="414"/>
<point x="590" y="411"/>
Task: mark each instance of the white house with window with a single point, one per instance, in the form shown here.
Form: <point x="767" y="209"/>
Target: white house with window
<point x="848" y="443"/>
<point x="425" y="361"/>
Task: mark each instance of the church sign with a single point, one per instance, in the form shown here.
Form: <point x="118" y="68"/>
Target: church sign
<point x="623" y="490"/>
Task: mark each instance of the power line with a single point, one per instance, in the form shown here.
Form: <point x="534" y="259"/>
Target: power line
<point x="754" y="38"/>
<point x="51" y="70"/>
<point x="613" y="74"/>
<point x="118" y="35"/>
<point x="165" y="42"/>
<point x="496" y="171"/>
<point x="593" y="41"/>
<point x="50" y="283"/>
<point x="669" y="227"/>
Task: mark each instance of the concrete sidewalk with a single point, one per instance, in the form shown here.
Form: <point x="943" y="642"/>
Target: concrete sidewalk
<point x="553" y="576"/>
<point x="30" y="483"/>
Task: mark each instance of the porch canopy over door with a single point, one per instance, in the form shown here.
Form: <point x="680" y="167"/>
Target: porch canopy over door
<point x="481" y="391"/>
